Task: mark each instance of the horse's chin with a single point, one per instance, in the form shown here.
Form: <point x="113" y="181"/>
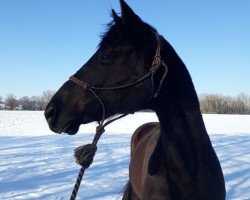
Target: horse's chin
<point x="71" y="128"/>
<point x="72" y="131"/>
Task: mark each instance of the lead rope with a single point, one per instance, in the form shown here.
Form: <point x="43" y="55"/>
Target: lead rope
<point x="84" y="155"/>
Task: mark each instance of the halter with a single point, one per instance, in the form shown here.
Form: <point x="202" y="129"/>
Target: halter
<point x="85" y="154"/>
<point x="156" y="64"/>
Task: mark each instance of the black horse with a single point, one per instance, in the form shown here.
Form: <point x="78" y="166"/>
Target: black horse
<point x="135" y="68"/>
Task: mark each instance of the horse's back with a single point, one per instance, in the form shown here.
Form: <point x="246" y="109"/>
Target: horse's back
<point x="143" y="144"/>
<point x="141" y="132"/>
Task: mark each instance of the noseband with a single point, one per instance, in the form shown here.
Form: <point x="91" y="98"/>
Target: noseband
<point x="84" y="155"/>
<point x="156" y="64"/>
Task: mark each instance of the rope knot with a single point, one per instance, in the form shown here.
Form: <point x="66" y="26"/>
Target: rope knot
<point x="84" y="155"/>
<point x="85" y="86"/>
<point x="155" y="65"/>
<point x="100" y="129"/>
<point x="157" y="62"/>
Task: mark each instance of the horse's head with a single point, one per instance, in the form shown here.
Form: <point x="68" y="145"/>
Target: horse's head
<point x="124" y="56"/>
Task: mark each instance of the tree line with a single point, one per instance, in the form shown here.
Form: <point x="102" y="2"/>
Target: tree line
<point x="209" y="103"/>
<point x="219" y="104"/>
<point x="11" y="102"/>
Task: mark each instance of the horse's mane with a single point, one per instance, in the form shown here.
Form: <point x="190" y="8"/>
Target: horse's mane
<point x="137" y="35"/>
<point x="108" y="34"/>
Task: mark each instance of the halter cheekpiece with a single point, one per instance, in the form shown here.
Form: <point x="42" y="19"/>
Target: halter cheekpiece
<point x="84" y="154"/>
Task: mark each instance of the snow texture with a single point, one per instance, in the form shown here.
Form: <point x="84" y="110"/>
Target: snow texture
<point x="38" y="164"/>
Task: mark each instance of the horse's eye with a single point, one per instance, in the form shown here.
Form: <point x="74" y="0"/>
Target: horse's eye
<point x="108" y="57"/>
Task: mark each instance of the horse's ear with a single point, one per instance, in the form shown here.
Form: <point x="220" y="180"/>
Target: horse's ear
<point x="116" y="18"/>
<point x="129" y="18"/>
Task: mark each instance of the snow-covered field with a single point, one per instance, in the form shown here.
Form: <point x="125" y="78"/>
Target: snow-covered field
<point x="38" y="164"/>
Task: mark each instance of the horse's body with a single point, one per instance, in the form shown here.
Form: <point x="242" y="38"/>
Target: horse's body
<point x="135" y="68"/>
<point x="143" y="143"/>
<point x="143" y="186"/>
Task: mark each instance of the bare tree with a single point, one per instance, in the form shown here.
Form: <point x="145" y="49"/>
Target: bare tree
<point x="242" y="100"/>
<point x="35" y="102"/>
<point x="248" y="105"/>
<point x="213" y="103"/>
<point x="47" y="95"/>
<point x="1" y="103"/>
<point x="45" y="98"/>
<point x="11" y="101"/>
<point x="25" y="102"/>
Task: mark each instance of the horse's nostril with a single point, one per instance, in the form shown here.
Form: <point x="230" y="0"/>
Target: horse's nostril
<point x="50" y="113"/>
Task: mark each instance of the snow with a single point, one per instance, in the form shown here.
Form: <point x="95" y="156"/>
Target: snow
<point x="38" y="164"/>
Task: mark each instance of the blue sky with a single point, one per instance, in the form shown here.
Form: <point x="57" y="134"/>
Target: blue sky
<point x="43" y="42"/>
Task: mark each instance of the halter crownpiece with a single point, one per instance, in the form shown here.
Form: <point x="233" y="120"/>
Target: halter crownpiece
<point x="85" y="154"/>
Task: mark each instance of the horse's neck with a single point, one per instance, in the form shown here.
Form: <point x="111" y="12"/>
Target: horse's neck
<point x="182" y="127"/>
<point x="184" y="146"/>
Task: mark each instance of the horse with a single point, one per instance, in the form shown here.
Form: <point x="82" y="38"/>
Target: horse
<point x="135" y="68"/>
